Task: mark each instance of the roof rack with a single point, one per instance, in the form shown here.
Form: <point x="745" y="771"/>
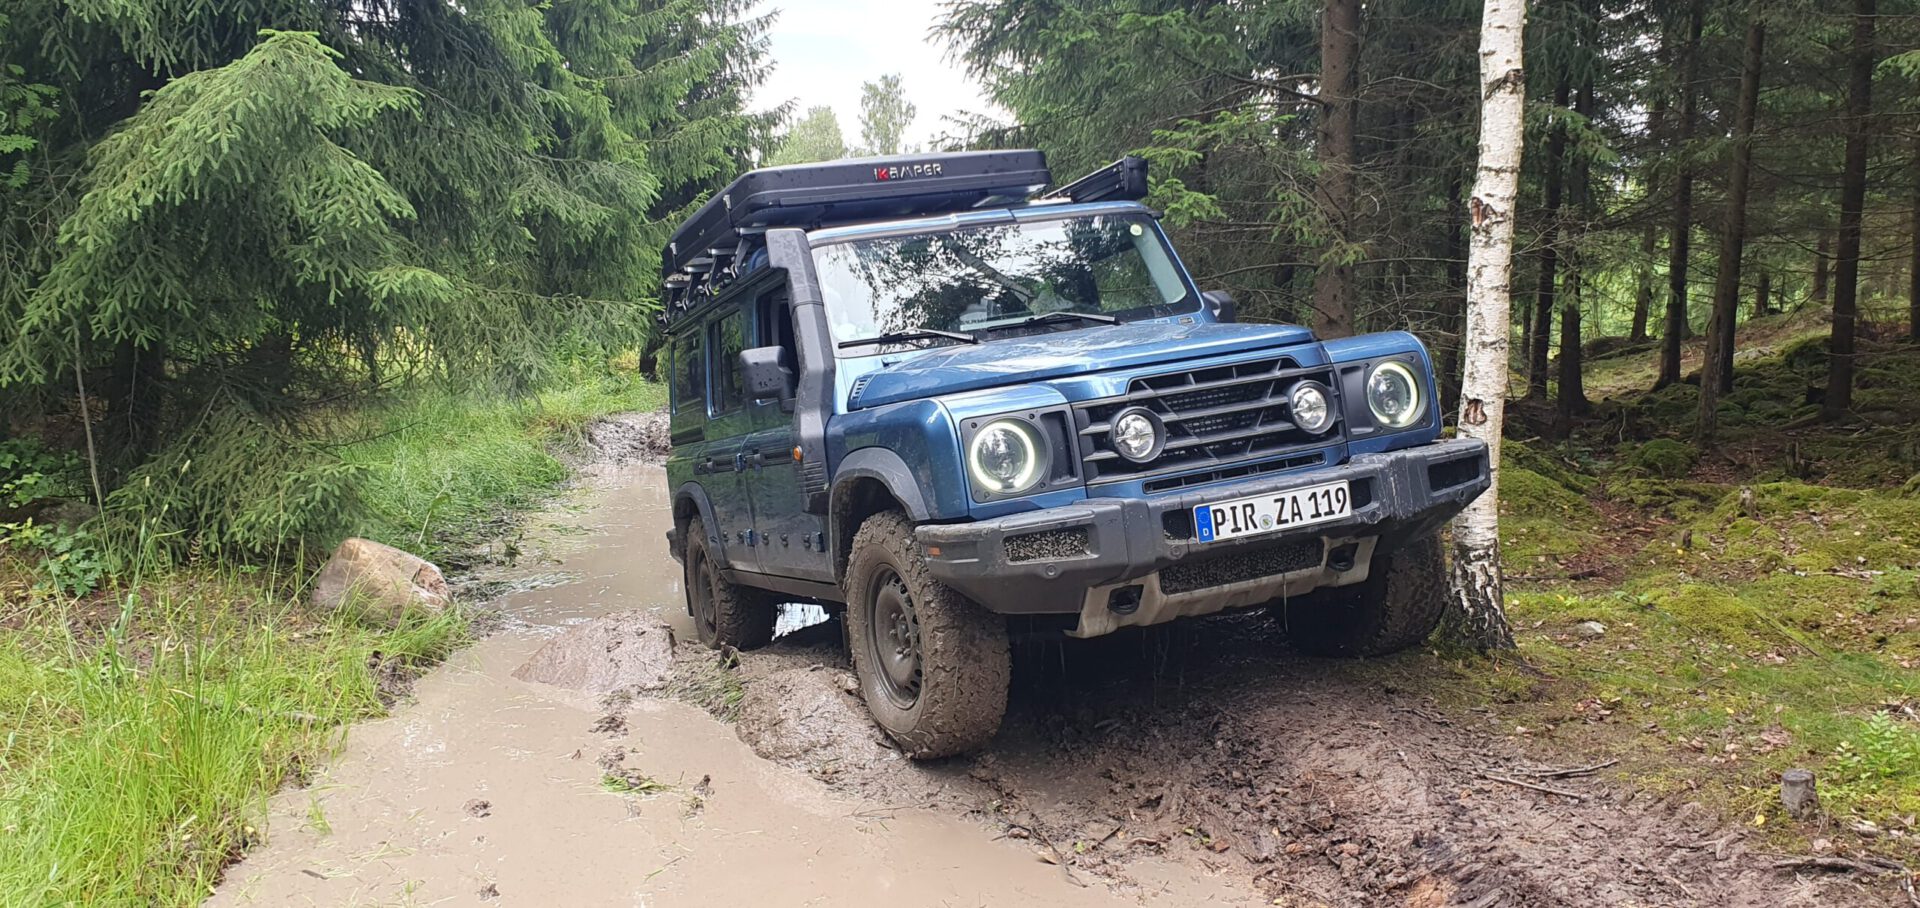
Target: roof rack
<point x="1125" y="179"/>
<point x="851" y="190"/>
<point x="713" y="247"/>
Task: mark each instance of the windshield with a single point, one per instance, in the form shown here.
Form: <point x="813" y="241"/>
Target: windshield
<point x="996" y="280"/>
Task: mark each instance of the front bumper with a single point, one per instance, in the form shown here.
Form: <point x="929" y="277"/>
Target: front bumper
<point x="1128" y="561"/>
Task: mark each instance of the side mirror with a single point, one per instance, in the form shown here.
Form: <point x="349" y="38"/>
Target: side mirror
<point x="768" y="372"/>
<point x="1221" y="305"/>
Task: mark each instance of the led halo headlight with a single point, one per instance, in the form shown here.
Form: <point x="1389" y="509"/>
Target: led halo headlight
<point x="1311" y="407"/>
<point x="1007" y="457"/>
<point x="1394" y="395"/>
<point x="1138" y="434"/>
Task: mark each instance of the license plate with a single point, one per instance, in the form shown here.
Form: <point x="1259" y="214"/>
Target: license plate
<point x="1276" y="511"/>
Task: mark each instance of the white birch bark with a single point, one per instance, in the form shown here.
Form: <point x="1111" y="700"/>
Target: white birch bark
<point x="1479" y="617"/>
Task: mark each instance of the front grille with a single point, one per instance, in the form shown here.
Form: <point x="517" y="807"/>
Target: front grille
<point x="1285" y="558"/>
<point x="1215" y="417"/>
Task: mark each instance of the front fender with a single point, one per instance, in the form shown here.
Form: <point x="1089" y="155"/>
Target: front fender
<point x="890" y="470"/>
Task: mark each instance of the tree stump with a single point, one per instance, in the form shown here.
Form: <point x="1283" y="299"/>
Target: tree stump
<point x="1798" y="795"/>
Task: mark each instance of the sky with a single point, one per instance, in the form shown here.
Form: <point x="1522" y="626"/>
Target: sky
<point x="823" y="50"/>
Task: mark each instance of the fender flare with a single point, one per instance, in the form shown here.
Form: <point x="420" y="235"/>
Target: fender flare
<point x="882" y="465"/>
<point x="692" y="491"/>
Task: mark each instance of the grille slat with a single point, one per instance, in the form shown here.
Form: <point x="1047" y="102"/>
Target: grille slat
<point x="1215" y="416"/>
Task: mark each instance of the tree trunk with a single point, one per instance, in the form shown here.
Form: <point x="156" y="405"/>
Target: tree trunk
<point x="1542" y="337"/>
<point x="136" y="398"/>
<point x="1479" y="615"/>
<point x="1716" y="374"/>
<point x="1456" y="307"/>
<point x="1649" y="242"/>
<point x="1681" y="242"/>
<point x="1572" y="398"/>
<point x="1913" y="271"/>
<point x="1853" y="198"/>
<point x="1762" y="296"/>
<point x="1339" y="59"/>
<point x="1821" y="261"/>
<point x="1643" y="286"/>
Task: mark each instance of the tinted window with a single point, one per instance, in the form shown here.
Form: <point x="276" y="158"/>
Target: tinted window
<point x="729" y="338"/>
<point x="689" y="373"/>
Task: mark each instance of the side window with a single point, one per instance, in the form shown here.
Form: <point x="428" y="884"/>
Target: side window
<point x="689" y="373"/>
<point x="729" y="338"/>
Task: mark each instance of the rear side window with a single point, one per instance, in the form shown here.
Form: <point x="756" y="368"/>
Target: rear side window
<point x="689" y="373"/>
<point x="729" y="338"/>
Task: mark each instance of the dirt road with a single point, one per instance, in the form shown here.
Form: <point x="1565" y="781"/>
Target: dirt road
<point x="487" y="789"/>
<point x="1205" y="765"/>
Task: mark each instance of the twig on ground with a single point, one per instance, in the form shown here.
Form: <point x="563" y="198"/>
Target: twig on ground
<point x="1525" y="784"/>
<point x="1562" y="773"/>
<point x="1875" y="866"/>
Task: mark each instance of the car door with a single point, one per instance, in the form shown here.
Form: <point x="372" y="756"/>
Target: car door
<point x="793" y="541"/>
<point x="712" y="378"/>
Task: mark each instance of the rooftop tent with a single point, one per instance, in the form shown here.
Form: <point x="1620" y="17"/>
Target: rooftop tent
<point x="852" y="190"/>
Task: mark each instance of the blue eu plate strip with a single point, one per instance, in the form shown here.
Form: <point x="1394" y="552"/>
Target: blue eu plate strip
<point x="1203" y="523"/>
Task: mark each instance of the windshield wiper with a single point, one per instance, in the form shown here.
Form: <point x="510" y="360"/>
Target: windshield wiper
<point x="911" y="334"/>
<point x="1057" y="315"/>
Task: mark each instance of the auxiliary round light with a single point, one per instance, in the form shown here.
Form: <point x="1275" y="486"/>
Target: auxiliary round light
<point x="1138" y="435"/>
<point x="1006" y="457"/>
<point x="1393" y="394"/>
<point x="1311" y="409"/>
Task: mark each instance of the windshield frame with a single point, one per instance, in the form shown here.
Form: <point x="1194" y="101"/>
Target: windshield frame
<point x="1189" y="303"/>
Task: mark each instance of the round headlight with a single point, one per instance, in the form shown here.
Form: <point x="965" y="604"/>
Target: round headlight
<point x="1312" y="412"/>
<point x="1006" y="457"/>
<point x="1393" y="394"/>
<point x="1137" y="435"/>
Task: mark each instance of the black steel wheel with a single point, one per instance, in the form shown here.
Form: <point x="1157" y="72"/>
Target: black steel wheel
<point x="933" y="666"/>
<point x="724" y="613"/>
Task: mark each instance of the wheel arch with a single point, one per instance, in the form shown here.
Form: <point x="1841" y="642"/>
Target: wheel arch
<point x="869" y="481"/>
<point x="690" y="501"/>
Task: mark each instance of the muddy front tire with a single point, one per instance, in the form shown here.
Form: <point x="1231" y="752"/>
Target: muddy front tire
<point x="933" y="666"/>
<point x="724" y="613"/>
<point x="1397" y="606"/>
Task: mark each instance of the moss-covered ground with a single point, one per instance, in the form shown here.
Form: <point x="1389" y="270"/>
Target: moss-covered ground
<point x="1760" y="601"/>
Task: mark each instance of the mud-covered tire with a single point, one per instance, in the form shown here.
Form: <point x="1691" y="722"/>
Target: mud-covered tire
<point x="960" y="666"/>
<point x="1397" y="606"/>
<point x="724" y="613"/>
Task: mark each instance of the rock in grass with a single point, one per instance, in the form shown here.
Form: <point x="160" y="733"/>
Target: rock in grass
<point x="379" y="578"/>
<point x="1590" y="629"/>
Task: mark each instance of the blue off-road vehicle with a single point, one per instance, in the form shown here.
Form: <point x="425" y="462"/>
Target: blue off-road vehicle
<point x="936" y="393"/>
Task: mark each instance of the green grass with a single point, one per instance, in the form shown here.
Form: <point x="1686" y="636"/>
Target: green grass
<point x="140" y="743"/>
<point x="143" y="728"/>
<point x="442" y="467"/>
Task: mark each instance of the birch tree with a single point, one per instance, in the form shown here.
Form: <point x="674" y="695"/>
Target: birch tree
<point x="1479" y="617"/>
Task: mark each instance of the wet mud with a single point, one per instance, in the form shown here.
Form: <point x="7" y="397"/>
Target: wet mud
<point x="615" y="762"/>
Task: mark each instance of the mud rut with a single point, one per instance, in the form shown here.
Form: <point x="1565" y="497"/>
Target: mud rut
<point x="1310" y="782"/>
<point x="1203" y="762"/>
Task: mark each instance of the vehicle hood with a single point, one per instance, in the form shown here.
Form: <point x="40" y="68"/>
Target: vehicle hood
<point x="947" y="370"/>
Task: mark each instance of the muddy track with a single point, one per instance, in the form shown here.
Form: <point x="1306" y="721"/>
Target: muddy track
<point x="1310" y="781"/>
<point x="1205" y="763"/>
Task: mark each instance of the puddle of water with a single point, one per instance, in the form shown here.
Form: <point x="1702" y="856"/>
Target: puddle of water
<point x="394" y="819"/>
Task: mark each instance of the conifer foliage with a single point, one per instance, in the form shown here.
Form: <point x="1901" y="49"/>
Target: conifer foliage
<point x="221" y="217"/>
